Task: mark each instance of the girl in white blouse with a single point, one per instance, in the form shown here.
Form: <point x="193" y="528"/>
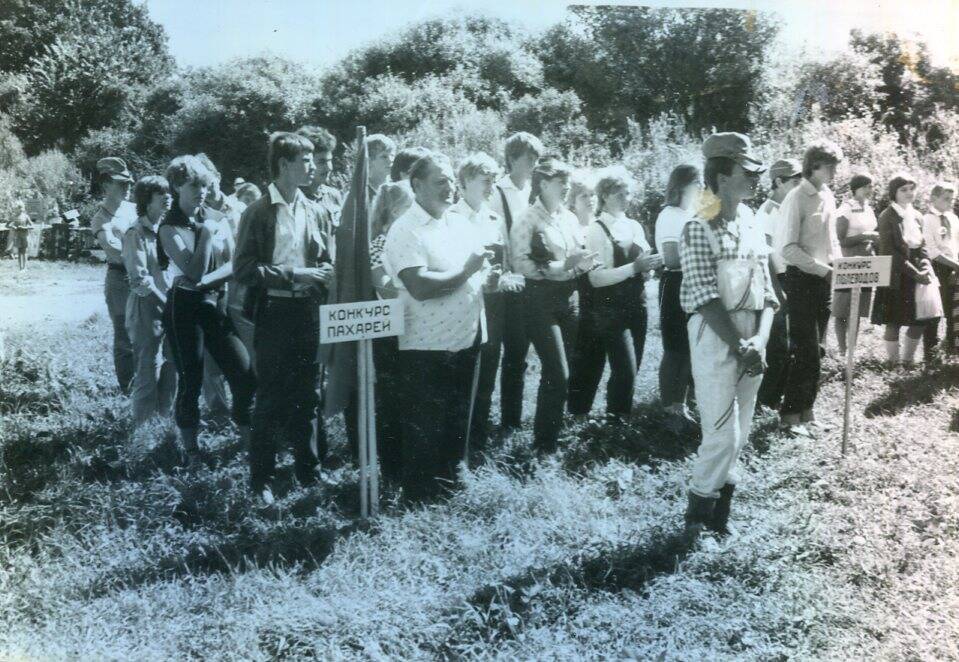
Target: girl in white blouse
<point x="548" y="249"/>
<point x="618" y="310"/>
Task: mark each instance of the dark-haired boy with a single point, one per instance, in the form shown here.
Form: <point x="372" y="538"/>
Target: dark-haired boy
<point x="282" y="257"/>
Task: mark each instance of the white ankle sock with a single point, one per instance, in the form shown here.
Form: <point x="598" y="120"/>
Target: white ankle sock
<point x="892" y="351"/>
<point x="909" y="347"/>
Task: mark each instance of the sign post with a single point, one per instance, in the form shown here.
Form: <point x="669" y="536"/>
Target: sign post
<point x="361" y="322"/>
<point x="854" y="273"/>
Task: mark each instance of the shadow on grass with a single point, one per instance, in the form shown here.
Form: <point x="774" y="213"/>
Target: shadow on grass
<point x="915" y="387"/>
<point x="643" y="438"/>
<point x="493" y="611"/>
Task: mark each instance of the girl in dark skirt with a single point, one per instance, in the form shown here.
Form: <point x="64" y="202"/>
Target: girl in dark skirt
<point x="682" y="192"/>
<point x="900" y="235"/>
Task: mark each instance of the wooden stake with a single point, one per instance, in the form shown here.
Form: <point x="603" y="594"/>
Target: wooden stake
<point x="851" y="337"/>
<point x="362" y="423"/>
<point x="372" y="459"/>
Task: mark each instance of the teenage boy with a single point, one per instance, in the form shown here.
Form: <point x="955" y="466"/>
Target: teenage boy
<point x="319" y="191"/>
<point x="940" y="228"/>
<point x="808" y="243"/>
<point x="380" y="152"/>
<point x="510" y="199"/>
<point x="113" y="218"/>
<point x="784" y="175"/>
<point x="729" y="324"/>
<point x="282" y="257"/>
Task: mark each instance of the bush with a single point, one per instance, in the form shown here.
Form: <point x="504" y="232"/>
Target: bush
<point x="53" y="174"/>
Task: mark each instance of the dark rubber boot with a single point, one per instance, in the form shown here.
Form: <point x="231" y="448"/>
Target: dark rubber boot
<point x="720" y="520"/>
<point x="699" y="512"/>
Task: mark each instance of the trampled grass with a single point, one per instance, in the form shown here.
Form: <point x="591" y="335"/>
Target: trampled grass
<point x="111" y="551"/>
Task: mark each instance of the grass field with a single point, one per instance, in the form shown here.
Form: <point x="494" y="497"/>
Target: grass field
<point x="109" y="551"/>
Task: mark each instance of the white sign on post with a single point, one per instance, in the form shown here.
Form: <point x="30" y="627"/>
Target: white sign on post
<point x="855" y="273"/>
<point x="858" y="272"/>
<point x="363" y="320"/>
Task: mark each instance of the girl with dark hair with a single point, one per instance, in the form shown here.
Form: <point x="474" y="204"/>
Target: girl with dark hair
<point x="548" y="249"/>
<point x="193" y="316"/>
<point x="900" y="235"/>
<point x="682" y="193"/>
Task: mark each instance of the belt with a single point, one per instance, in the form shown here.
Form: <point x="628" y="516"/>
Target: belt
<point x="116" y="267"/>
<point x="289" y="294"/>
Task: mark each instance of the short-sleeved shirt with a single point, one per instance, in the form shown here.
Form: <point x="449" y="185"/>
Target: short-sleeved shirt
<point x="699" y="262"/>
<point x="669" y="226"/>
<point x="560" y="235"/>
<point x="768" y="219"/>
<point x="113" y="226"/>
<point x="448" y="323"/>
<point x="941" y="231"/>
<point x="490" y="227"/>
<point x="861" y="219"/>
<point x="625" y="231"/>
<point x="376" y="251"/>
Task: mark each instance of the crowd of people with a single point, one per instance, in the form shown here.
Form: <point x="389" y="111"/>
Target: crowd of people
<point x="205" y="288"/>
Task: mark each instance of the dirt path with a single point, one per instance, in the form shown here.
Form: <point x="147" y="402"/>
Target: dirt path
<point x="67" y="307"/>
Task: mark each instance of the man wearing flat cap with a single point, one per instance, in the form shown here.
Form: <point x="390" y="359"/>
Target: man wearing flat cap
<point x="728" y="293"/>
<point x="115" y="215"/>
<point x="807" y="241"/>
<point x="784" y="176"/>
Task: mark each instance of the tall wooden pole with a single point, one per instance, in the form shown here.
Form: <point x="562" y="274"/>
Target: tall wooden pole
<point x="851" y="338"/>
<point x="362" y="425"/>
<point x="371" y="456"/>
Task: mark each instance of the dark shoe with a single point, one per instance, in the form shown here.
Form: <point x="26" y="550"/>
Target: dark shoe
<point x="720" y="519"/>
<point x="310" y="477"/>
<point x="699" y="512"/>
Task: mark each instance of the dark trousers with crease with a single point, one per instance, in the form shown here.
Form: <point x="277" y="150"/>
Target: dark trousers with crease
<point x="809" y="299"/>
<point x="930" y="336"/>
<point x="553" y="323"/>
<point x="285" y="338"/>
<point x="616" y="335"/>
<point x="389" y="409"/>
<point x="195" y="321"/>
<point x="490" y="352"/>
<point x="436" y="399"/>
<point x="516" y="342"/>
<point x="777" y="359"/>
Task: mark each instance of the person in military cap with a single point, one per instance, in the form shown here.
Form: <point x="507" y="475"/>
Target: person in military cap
<point x="784" y="176"/>
<point x="114" y="216"/>
<point x="806" y="238"/>
<point x="728" y="292"/>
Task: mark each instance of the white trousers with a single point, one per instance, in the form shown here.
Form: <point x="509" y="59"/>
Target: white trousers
<point x="726" y="398"/>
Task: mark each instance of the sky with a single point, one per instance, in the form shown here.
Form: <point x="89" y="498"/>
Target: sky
<point x="319" y="32"/>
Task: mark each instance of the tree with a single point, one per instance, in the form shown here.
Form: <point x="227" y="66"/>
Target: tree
<point x="87" y="67"/>
<point x="635" y="63"/>
<point x="911" y="88"/>
<point x="230" y="110"/>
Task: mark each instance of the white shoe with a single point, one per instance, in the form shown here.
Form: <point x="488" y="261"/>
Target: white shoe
<point x="265" y="496"/>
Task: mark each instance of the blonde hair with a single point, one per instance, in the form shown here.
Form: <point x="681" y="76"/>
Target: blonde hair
<point x="580" y="182"/>
<point x="610" y="181"/>
<point x="391" y="201"/>
<point x="475" y="165"/>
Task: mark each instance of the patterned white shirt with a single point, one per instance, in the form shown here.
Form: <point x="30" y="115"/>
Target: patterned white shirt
<point x="290" y="246"/>
<point x="447" y="323"/>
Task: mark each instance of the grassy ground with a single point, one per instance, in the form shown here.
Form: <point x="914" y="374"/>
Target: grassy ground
<point x="112" y="552"/>
<point x="44" y="276"/>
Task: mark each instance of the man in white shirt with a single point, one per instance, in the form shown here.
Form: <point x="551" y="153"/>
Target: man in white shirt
<point x="510" y="199"/>
<point x="436" y="260"/>
<point x="283" y="260"/>
<point x="940" y="229"/>
<point x="784" y="176"/>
